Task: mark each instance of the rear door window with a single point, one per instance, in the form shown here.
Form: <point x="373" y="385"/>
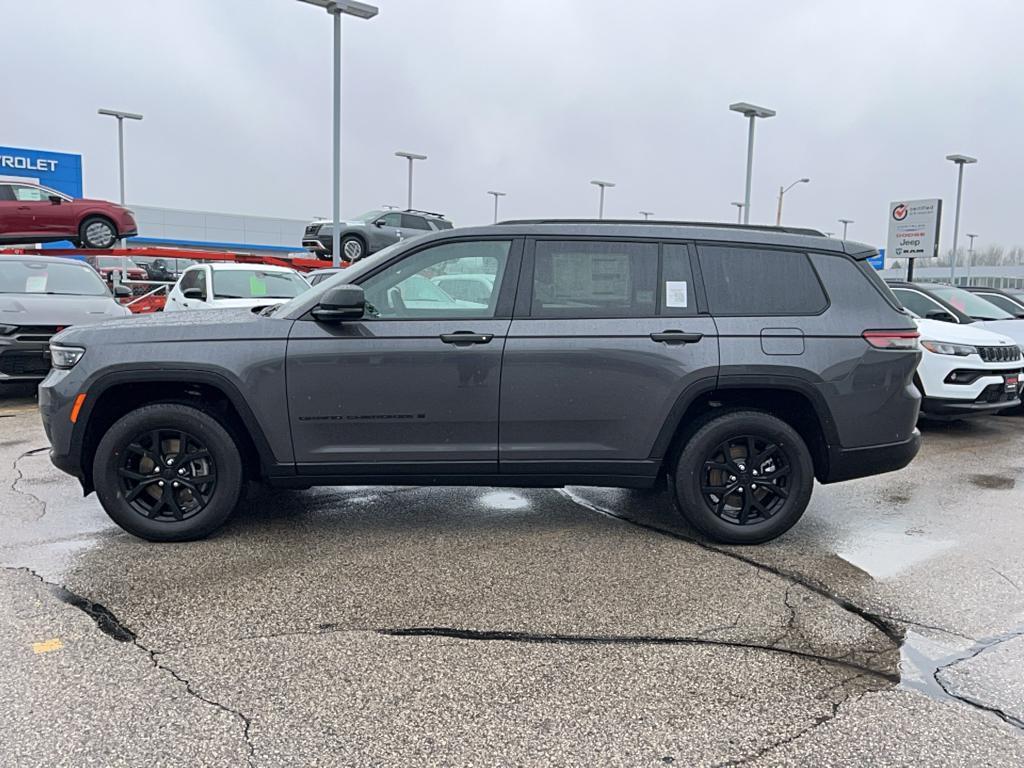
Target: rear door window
<point x="581" y="279"/>
<point x="745" y="280"/>
<point x="414" y="222"/>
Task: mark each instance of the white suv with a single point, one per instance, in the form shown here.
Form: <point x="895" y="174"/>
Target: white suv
<point x="965" y="370"/>
<point x="222" y="285"/>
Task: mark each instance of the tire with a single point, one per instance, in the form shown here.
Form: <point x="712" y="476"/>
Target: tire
<point x="142" y="499"/>
<point x="352" y="248"/>
<point x="97" y="232"/>
<point x="784" y="478"/>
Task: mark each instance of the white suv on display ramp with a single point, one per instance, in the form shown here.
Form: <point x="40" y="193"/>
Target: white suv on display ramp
<point x="966" y="371"/>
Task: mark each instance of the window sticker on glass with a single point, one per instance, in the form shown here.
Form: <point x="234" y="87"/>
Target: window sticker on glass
<point x="257" y="285"/>
<point x="675" y="293"/>
<point x="35" y="284"/>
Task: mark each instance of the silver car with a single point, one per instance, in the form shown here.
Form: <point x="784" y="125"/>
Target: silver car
<point x="370" y="232"/>
<point x="39" y="296"/>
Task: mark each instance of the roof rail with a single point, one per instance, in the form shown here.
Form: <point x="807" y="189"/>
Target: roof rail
<point x="425" y="213"/>
<point x="667" y="222"/>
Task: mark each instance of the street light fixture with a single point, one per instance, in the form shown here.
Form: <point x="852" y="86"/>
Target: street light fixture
<point x="961" y="161"/>
<point x="601" y="185"/>
<point x="646" y="214"/>
<point x="751" y="111"/>
<point x="337" y="8"/>
<point x="739" y="212"/>
<point x="970" y="256"/>
<point x="410" y="156"/>
<point x="783" y="191"/>
<point x="121" y="117"/>
<point x="496" y="196"/>
<point x="846" y="223"/>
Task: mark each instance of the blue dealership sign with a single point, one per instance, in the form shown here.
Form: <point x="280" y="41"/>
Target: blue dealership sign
<point x="878" y="262"/>
<point x="56" y="170"/>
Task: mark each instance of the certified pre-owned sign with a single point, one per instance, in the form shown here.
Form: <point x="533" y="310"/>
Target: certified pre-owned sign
<point x="914" y="228"/>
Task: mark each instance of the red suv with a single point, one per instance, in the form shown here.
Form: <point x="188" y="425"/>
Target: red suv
<point x="30" y="213"/>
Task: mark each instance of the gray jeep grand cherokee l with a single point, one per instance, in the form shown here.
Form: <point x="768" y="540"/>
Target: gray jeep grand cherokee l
<point x="736" y="363"/>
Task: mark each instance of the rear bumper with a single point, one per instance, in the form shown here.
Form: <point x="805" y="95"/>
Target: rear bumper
<point x="851" y="463"/>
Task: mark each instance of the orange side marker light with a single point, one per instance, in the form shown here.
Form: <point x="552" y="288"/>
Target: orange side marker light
<point x="77" y="407"/>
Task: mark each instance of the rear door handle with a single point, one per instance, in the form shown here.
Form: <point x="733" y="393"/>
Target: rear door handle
<point x="464" y="338"/>
<point x="677" y="337"/>
<point x="24" y="208"/>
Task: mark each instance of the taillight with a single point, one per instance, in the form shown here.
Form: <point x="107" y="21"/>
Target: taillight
<point x="892" y="339"/>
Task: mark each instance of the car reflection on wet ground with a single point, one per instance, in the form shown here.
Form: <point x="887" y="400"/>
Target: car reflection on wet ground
<point x="498" y="626"/>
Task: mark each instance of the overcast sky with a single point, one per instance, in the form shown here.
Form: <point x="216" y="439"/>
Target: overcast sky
<point x="534" y="98"/>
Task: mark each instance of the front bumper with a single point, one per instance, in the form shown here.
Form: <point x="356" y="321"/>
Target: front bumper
<point x="24" y="359"/>
<point x="937" y="406"/>
<point x="850" y="463"/>
<point x="314" y="245"/>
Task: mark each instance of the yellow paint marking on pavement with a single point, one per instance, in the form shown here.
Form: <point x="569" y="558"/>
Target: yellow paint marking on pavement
<point x="53" y="644"/>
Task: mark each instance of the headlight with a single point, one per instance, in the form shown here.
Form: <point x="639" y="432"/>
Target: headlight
<point x="6" y="329"/>
<point x="65" y="357"/>
<point x="944" y="348"/>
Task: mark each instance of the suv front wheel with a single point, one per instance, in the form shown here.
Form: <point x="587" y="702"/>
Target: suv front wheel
<point x="168" y="472"/>
<point x="744" y="477"/>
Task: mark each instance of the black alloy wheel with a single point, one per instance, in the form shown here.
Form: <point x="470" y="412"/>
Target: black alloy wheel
<point x="745" y="479"/>
<point x="167" y="475"/>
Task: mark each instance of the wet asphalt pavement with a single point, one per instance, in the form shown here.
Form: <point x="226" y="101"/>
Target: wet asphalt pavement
<point x="493" y="627"/>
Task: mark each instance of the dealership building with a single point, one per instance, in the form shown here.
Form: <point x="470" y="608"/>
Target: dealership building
<point x="167" y="227"/>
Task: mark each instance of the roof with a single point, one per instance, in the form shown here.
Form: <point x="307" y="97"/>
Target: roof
<point x="753" y="235"/>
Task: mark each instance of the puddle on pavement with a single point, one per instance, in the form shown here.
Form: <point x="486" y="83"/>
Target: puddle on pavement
<point x="884" y="553"/>
<point x="504" y="501"/>
<point x="922" y="660"/>
<point x="51" y="559"/>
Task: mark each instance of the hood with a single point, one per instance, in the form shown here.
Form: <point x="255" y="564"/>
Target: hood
<point x="247" y="303"/>
<point x="952" y="333"/>
<point x="1012" y="328"/>
<point x="198" y="325"/>
<point x="47" y="309"/>
<point x="96" y="201"/>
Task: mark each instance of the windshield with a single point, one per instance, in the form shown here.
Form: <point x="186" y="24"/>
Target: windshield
<point x="256" y="284"/>
<point x="47" y="277"/>
<point x="369" y="216"/>
<point x="969" y="303"/>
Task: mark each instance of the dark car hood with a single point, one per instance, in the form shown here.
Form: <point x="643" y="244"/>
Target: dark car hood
<point x="46" y="309"/>
<point x="196" y="325"/>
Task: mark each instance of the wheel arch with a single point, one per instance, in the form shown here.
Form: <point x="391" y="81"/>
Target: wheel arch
<point x="115" y="394"/>
<point x="791" y="400"/>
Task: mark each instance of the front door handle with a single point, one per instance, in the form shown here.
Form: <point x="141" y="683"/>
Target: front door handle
<point x="464" y="338"/>
<point x="677" y="337"/>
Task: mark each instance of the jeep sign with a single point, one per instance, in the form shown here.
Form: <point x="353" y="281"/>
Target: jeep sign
<point x="914" y="228"/>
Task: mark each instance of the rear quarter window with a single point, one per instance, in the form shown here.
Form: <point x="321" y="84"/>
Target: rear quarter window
<point x="744" y="280"/>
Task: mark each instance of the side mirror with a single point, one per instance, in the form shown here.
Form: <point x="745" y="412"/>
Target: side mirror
<point x="194" y="293"/>
<point x="379" y="223"/>
<point x="121" y="291"/>
<point x="342" y="302"/>
<point x="56" y="199"/>
<point x="940" y="314"/>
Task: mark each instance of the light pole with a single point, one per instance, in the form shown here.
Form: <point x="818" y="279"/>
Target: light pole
<point x="362" y="11"/>
<point x="121" y="116"/>
<point x="970" y="256"/>
<point x="601" y="185"/>
<point x="496" y="196"/>
<point x="783" y="191"/>
<point x="846" y="223"/>
<point x="751" y="111"/>
<point x="646" y="214"/>
<point x="739" y="212"/>
<point x="410" y="156"/>
<point x="961" y="161"/>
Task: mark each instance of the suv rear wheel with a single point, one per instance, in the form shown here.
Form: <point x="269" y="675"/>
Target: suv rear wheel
<point x="168" y="472"/>
<point x="744" y="477"/>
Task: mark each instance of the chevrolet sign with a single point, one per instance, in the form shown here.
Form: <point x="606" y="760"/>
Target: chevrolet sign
<point x="23" y="163"/>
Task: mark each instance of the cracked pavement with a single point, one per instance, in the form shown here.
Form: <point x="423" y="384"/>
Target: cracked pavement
<point x="497" y="626"/>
